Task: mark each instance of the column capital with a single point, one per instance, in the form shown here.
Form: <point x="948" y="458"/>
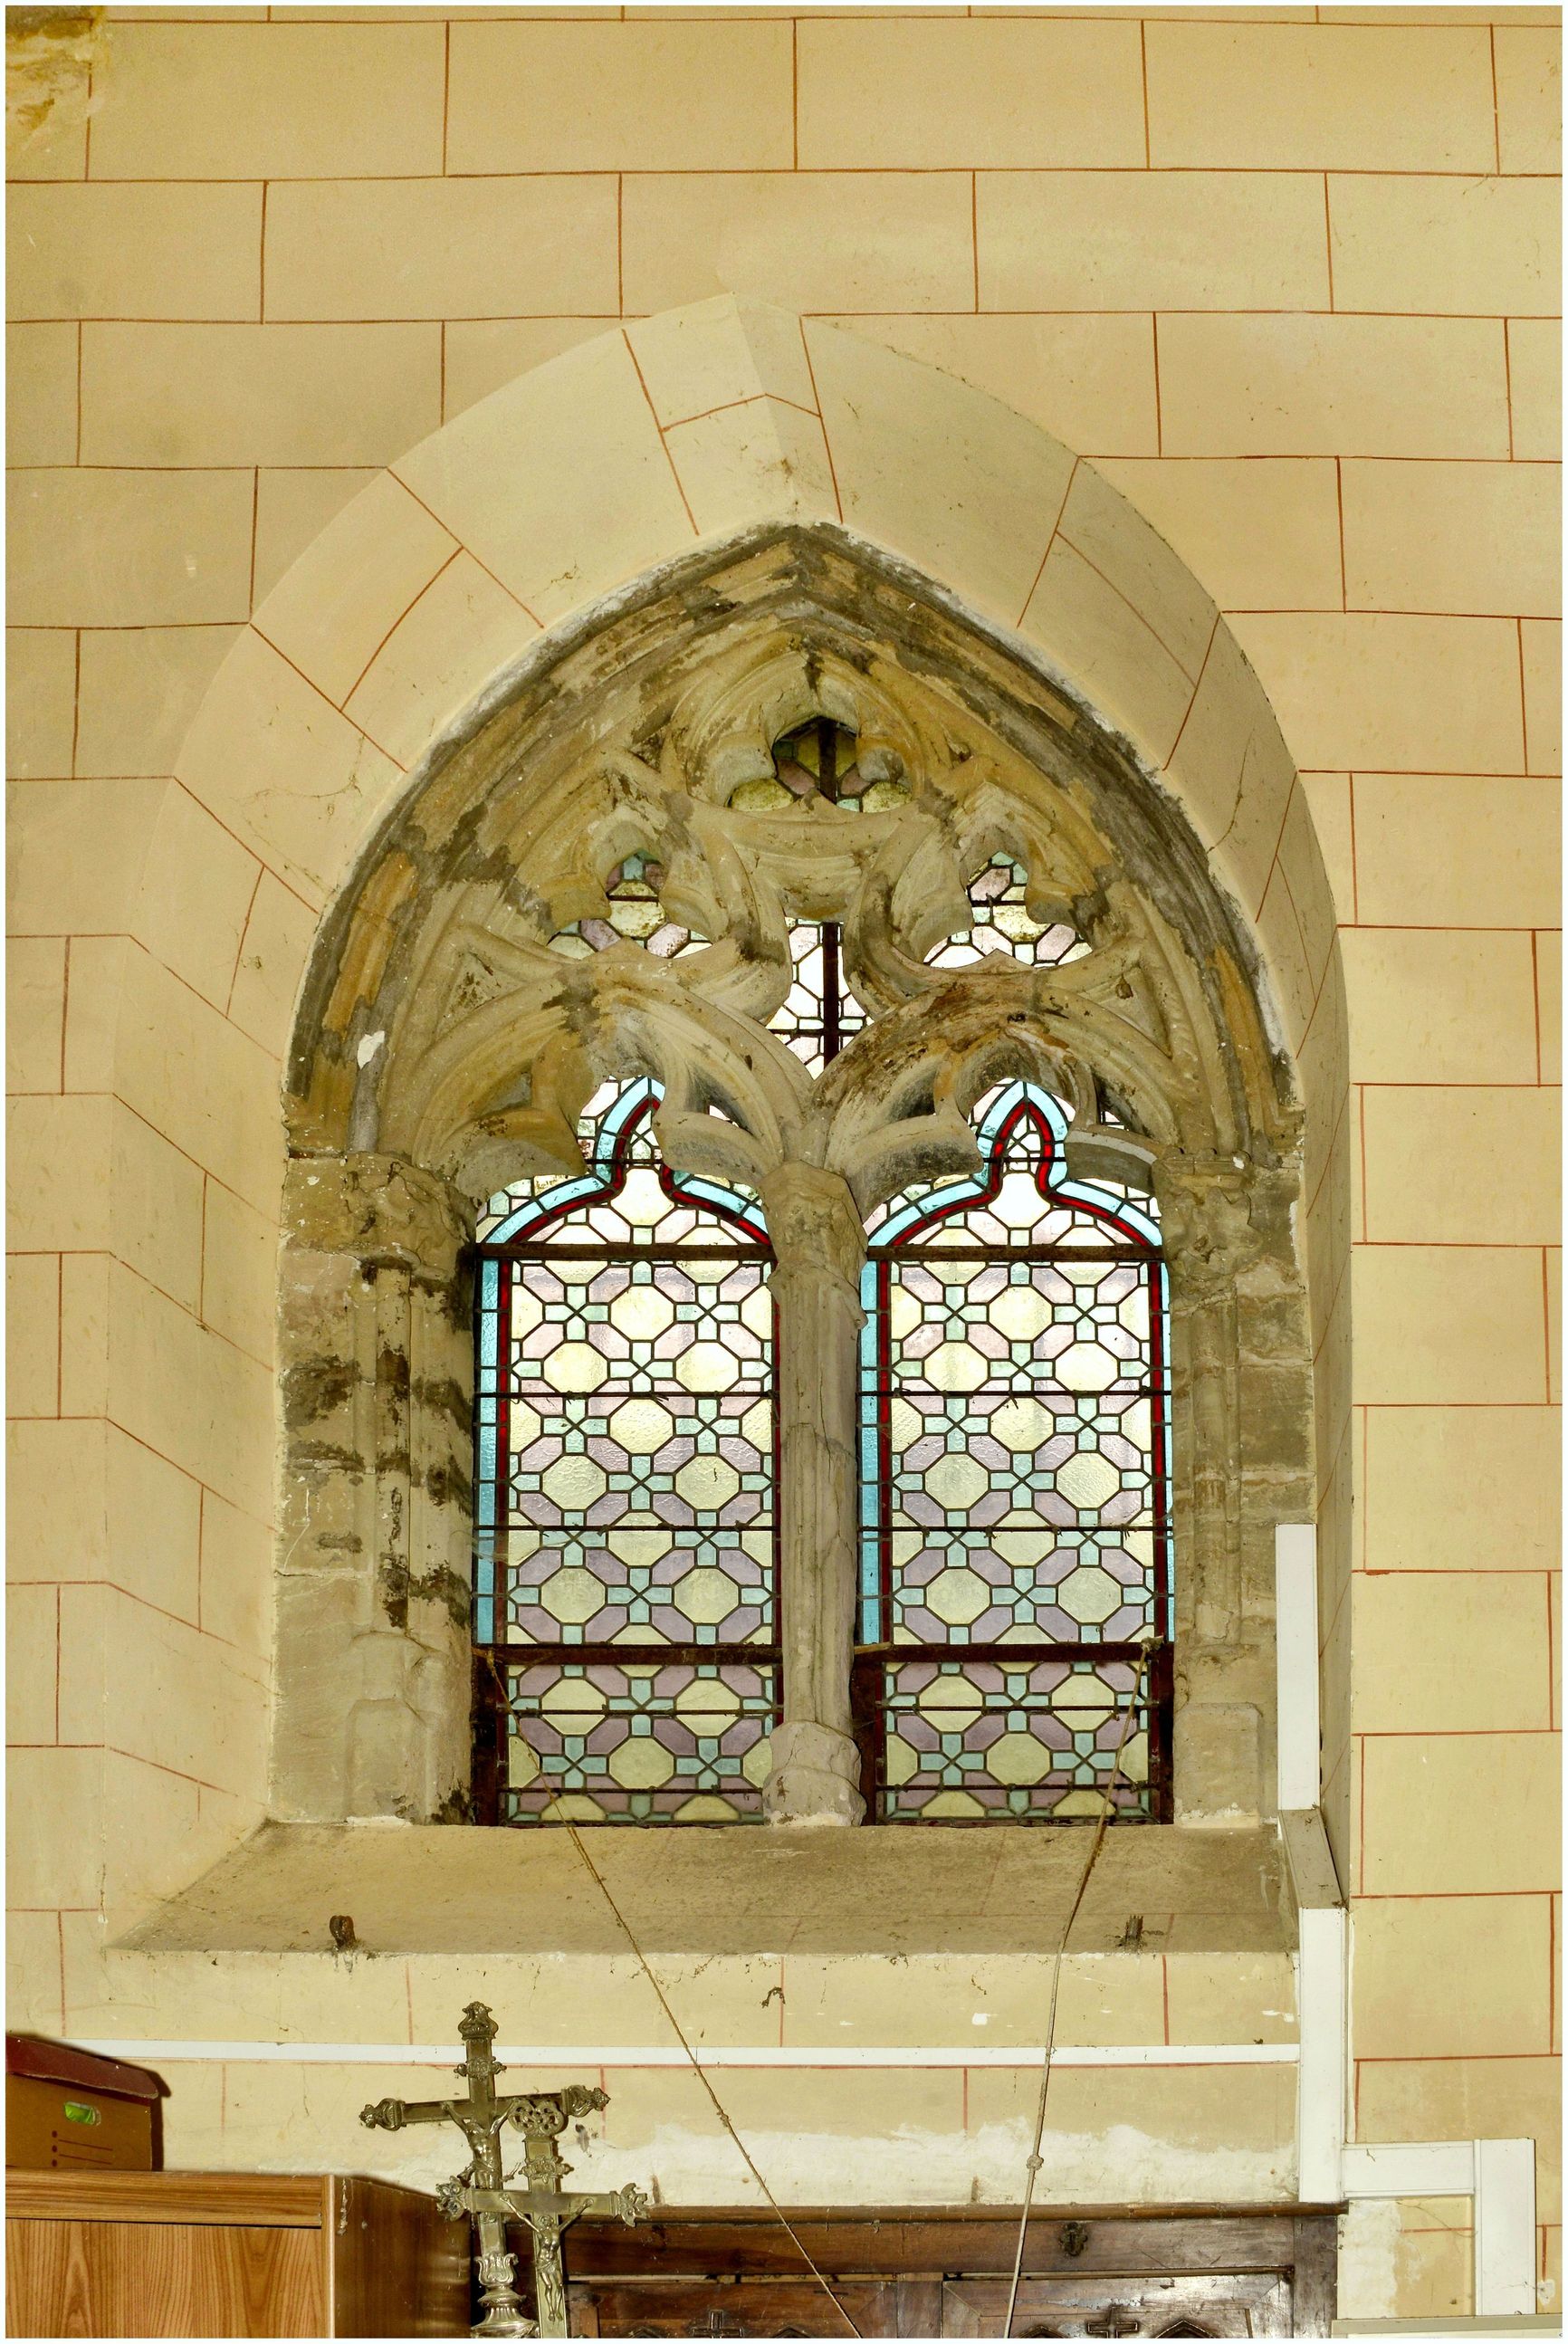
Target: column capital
<point x="814" y="1222"/>
<point x="1206" y="1215"/>
<point x="379" y="1208"/>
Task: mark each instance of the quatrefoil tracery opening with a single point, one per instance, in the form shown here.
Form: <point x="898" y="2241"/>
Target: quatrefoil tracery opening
<point x="817" y="767"/>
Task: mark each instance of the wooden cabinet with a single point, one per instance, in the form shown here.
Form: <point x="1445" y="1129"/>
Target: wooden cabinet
<point x="71" y="2108"/>
<point x="230" y="2254"/>
<point x="929" y="2272"/>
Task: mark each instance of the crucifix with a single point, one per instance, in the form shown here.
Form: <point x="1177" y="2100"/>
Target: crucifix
<point x="479" y="2189"/>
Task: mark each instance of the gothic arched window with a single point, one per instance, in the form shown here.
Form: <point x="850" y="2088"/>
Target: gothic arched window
<point x="1015" y="1487"/>
<point x="626" y="1595"/>
<point x="775" y="945"/>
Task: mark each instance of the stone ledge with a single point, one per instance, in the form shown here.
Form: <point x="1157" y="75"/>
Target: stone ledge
<point x="428" y="1889"/>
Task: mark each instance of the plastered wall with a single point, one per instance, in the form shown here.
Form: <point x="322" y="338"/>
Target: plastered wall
<point x="1290" y="285"/>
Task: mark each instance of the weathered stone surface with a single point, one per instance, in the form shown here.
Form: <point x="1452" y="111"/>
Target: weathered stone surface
<point x="372" y="1646"/>
<point x="941" y="1888"/>
<point x="819" y="1246"/>
<point x="815" y="1776"/>
<point x="376" y="1208"/>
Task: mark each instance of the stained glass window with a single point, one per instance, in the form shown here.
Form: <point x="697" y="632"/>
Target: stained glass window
<point x="1014" y="1558"/>
<point x="636" y="916"/>
<point x="1002" y="922"/>
<point x="625" y="1603"/>
<point x="1016" y="1508"/>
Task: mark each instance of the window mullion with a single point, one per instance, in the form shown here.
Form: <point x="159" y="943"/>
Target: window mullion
<point x="819" y="1248"/>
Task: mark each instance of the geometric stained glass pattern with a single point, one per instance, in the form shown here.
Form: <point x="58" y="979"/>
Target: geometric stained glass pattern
<point x="625" y="1485"/>
<point x="652" y="1744"/>
<point x="820" y="1013"/>
<point x="1003" y="922"/>
<point x="636" y="916"/>
<point x="1015" y="1415"/>
<point x="984" y="1741"/>
<point x="640" y="1471"/>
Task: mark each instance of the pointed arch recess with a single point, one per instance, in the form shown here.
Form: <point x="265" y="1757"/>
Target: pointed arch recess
<point x="574" y="590"/>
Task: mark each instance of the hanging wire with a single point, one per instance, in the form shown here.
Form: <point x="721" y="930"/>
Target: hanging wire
<point x="1035" y="2160"/>
<point x="701" y="2073"/>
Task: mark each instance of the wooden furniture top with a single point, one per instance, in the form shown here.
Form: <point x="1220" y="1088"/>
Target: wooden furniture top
<point x="271" y="2201"/>
<point x="693" y="2240"/>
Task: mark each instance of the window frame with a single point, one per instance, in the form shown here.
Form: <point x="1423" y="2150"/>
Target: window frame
<point x="878" y="1654"/>
<point x="497" y="1256"/>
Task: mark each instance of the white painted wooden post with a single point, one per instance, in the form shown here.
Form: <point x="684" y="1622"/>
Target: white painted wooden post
<point x="1321" y="1967"/>
<point x="1504" y="2226"/>
<point x="1321" y="2099"/>
<point x="1499" y="2174"/>
<point x="1296" y="1648"/>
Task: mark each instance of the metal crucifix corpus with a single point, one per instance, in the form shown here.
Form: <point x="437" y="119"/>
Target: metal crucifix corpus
<point x="479" y="2191"/>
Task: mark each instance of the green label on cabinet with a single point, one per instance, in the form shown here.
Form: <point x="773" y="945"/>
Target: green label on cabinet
<point x="79" y="2111"/>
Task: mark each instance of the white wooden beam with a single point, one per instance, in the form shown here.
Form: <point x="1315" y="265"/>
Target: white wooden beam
<point x="1409" y="2169"/>
<point x="574" y="2055"/>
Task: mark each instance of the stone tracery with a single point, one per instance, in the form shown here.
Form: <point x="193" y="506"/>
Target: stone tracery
<point x="480" y="983"/>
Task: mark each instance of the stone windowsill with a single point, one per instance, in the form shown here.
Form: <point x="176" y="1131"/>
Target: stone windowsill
<point x="429" y="1889"/>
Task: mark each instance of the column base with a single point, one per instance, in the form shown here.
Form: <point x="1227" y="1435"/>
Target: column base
<point x="816" y="1777"/>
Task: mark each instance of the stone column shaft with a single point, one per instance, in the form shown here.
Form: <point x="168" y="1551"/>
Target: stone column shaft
<point x="820" y="1246"/>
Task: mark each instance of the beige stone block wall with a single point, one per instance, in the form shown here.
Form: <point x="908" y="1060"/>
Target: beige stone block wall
<point x="1292" y="282"/>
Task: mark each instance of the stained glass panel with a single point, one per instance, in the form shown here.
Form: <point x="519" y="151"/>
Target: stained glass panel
<point x="818" y="760"/>
<point x="1015" y="1444"/>
<point x="820" y="1013"/>
<point x="636" y="1744"/>
<point x="625" y="1452"/>
<point x="636" y="916"/>
<point x="1002" y="922"/>
<point x="998" y="1740"/>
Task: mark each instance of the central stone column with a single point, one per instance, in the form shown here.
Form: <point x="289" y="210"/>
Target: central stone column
<point x="819" y="1246"/>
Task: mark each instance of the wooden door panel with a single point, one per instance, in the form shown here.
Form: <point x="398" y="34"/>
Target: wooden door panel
<point x="736" y="2307"/>
<point x="1253" y="2303"/>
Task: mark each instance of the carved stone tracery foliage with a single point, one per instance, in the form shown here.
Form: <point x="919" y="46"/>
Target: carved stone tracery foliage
<point x="478" y="984"/>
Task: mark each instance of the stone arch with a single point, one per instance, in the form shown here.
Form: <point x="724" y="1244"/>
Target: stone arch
<point x="612" y="485"/>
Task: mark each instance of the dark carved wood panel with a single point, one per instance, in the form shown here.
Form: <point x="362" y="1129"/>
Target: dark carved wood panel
<point x="162" y="2278"/>
<point x="1257" y="2303"/>
<point x="925" y="2272"/>
<point x="775" y="2307"/>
